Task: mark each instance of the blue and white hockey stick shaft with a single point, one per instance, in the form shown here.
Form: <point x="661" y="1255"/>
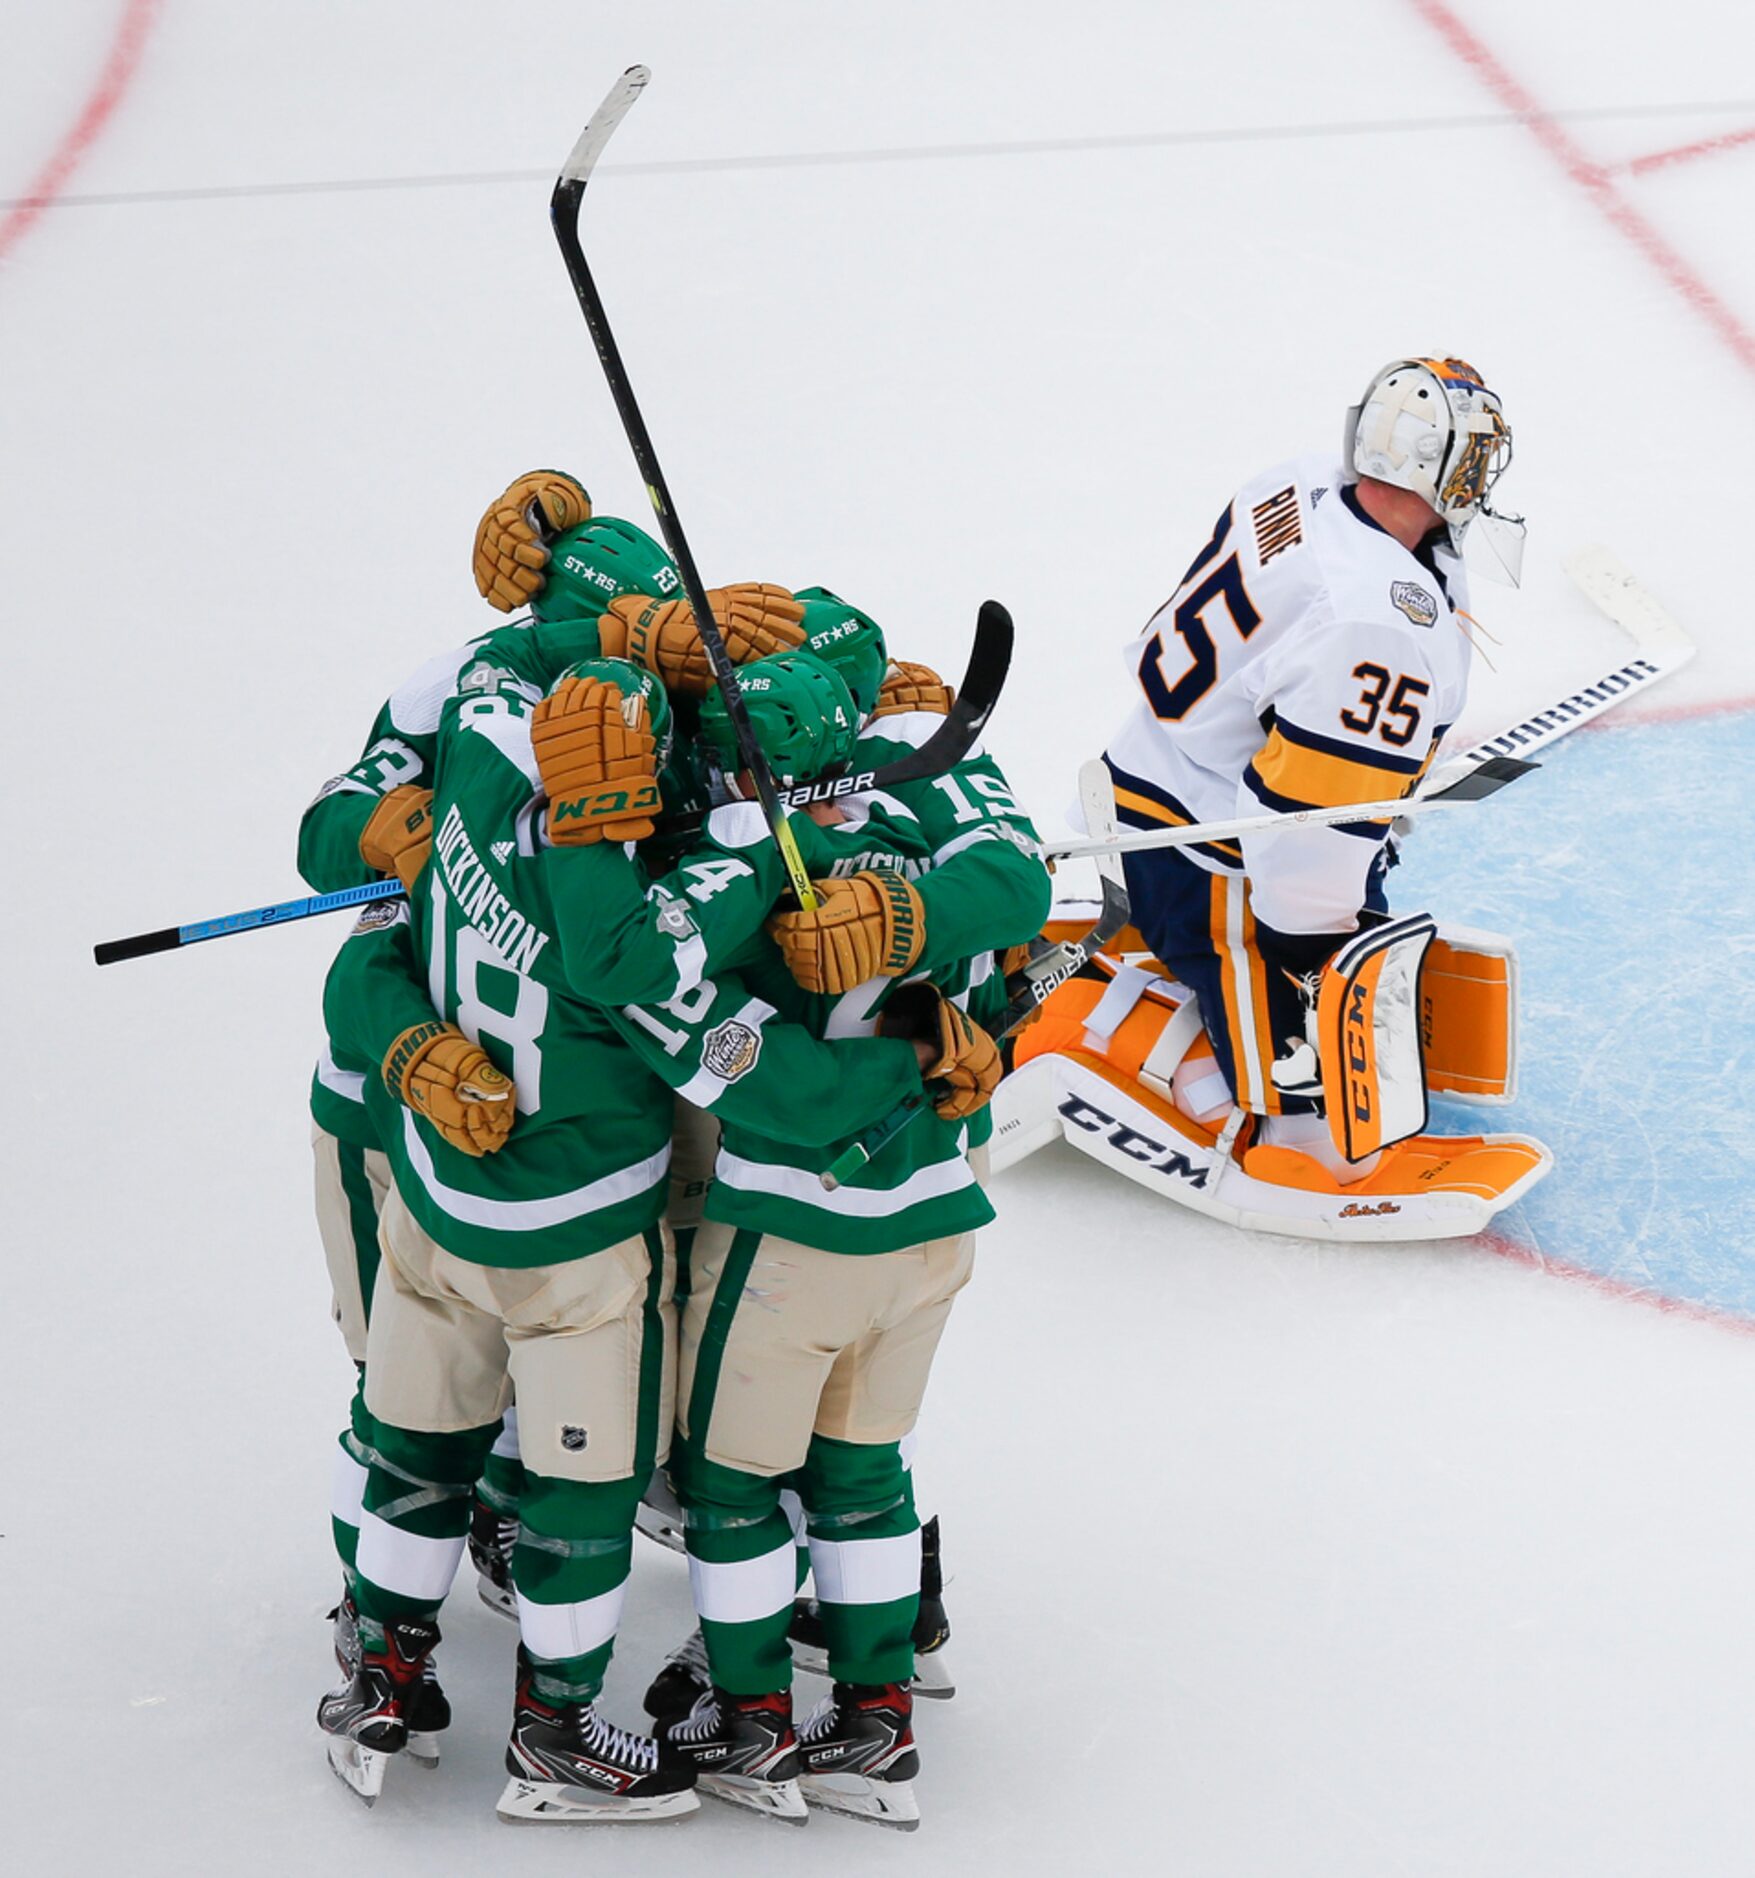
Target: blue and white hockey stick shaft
<point x="170" y="938"/>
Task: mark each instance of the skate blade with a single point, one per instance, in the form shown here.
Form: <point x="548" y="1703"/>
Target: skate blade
<point x="878" y="1802"/>
<point x="423" y="1749"/>
<point x="501" y="1603"/>
<point x="361" y="1770"/>
<point x="773" y="1799"/>
<point x="548" y="1803"/>
<point x="932" y="1678"/>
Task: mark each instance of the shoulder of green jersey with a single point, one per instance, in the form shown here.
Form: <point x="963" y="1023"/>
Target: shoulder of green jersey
<point x="910" y="729"/>
<point x="737" y="825"/>
<point x="415" y="704"/>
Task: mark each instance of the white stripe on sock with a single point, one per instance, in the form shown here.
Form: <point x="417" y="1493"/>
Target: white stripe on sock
<point x="408" y="1563"/>
<point x="347" y="1488"/>
<point x="866" y="1571"/>
<point x="554" y="1631"/>
<point x="748" y="1590"/>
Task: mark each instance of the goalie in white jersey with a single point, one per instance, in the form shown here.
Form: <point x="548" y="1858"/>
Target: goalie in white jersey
<point x="1313" y="656"/>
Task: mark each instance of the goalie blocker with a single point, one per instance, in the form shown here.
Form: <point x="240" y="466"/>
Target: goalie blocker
<point x="1118" y="1064"/>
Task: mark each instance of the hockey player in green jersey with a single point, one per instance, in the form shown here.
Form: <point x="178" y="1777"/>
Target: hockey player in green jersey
<point x="819" y="1382"/>
<point x="373" y="820"/>
<point x="489" y="1262"/>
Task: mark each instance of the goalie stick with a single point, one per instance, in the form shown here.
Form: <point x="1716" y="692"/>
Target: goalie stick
<point x="1028" y="988"/>
<point x="1663" y="647"/>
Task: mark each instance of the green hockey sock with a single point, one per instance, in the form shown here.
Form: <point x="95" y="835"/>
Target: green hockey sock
<point x="415" y="1519"/>
<point x="865" y="1556"/>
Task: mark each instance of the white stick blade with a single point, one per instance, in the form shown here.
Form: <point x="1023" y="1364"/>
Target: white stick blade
<point x="1616" y="593"/>
<point x="615" y="106"/>
<point x="1097" y="799"/>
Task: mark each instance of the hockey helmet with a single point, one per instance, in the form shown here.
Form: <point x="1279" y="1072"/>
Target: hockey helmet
<point x="598" y="562"/>
<point x="800" y="709"/>
<point x="1434" y="427"/>
<point x="849" y="640"/>
<point x="632" y="681"/>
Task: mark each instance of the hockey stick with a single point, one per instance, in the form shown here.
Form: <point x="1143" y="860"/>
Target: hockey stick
<point x="171" y="938"/>
<point x="943" y="750"/>
<point x="1027" y="989"/>
<point x="1663" y="648"/>
<point x="564" y="208"/>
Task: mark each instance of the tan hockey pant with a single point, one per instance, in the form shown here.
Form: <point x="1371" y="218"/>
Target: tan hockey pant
<point x="450" y="1339"/>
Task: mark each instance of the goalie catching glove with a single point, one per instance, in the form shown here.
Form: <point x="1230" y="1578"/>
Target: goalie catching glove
<point x="511" y="558"/>
<point x="600" y="738"/>
<point x="440" y="1074"/>
<point x="753" y="619"/>
<point x="399" y="836"/>
<point x="963" y="1067"/>
<point x="870" y="925"/>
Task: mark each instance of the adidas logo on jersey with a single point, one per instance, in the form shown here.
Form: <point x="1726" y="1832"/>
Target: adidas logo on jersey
<point x="502" y="851"/>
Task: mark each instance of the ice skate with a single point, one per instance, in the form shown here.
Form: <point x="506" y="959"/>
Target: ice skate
<point x="570" y="1766"/>
<point x="744" y="1749"/>
<point x="492" y="1535"/>
<point x="427" y="1711"/>
<point x="681" y="1683"/>
<point x="370" y="1716"/>
<point x="859" y="1758"/>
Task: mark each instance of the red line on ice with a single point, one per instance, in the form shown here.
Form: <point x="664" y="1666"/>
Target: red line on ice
<point x="1686" y="152"/>
<point x="1518" y="1254"/>
<point x="1590" y="176"/>
<point x="120" y="65"/>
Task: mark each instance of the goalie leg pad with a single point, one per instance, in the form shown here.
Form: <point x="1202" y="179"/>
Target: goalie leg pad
<point x="1468" y="1016"/>
<point x="1368" y="1037"/>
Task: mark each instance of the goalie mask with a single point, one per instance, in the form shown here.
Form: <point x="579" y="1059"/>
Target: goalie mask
<point x="1432" y="426"/>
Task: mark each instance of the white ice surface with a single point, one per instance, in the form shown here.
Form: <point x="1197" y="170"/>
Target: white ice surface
<point x="1268" y="1559"/>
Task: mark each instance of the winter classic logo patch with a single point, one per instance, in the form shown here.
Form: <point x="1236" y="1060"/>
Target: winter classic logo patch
<point x="1409" y="597"/>
<point x="379" y="914"/>
<point x="730" y="1050"/>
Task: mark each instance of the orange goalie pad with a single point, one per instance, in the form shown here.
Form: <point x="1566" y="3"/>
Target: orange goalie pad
<point x="1468" y="1017"/>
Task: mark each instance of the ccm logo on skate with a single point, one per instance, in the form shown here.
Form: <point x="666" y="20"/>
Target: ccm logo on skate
<point x="1131" y="1142"/>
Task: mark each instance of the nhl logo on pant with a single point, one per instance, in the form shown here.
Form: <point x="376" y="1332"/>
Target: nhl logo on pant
<point x="574" y="1438"/>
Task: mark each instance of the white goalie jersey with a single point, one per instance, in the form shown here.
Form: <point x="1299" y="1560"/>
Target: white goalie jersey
<point x="1307" y="660"/>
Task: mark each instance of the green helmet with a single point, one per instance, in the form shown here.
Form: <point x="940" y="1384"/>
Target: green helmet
<point x="800" y="709"/>
<point x="633" y="682"/>
<point x="598" y="562"/>
<point x="849" y="640"/>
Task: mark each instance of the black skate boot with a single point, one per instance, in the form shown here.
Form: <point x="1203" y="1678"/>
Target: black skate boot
<point x="681" y="1683"/>
<point x="492" y="1535"/>
<point x="932" y="1628"/>
<point x="570" y="1766"/>
<point x="368" y="1718"/>
<point x="744" y="1750"/>
<point x="857" y="1746"/>
<point x="427" y="1711"/>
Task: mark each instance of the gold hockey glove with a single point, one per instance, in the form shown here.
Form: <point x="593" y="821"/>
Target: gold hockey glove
<point x="914" y="688"/>
<point x="867" y="926"/>
<point x="754" y="619"/>
<point x="440" y="1074"/>
<point x="399" y="836"/>
<point x="965" y="1066"/>
<point x="599" y="763"/>
<point x="510" y="555"/>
